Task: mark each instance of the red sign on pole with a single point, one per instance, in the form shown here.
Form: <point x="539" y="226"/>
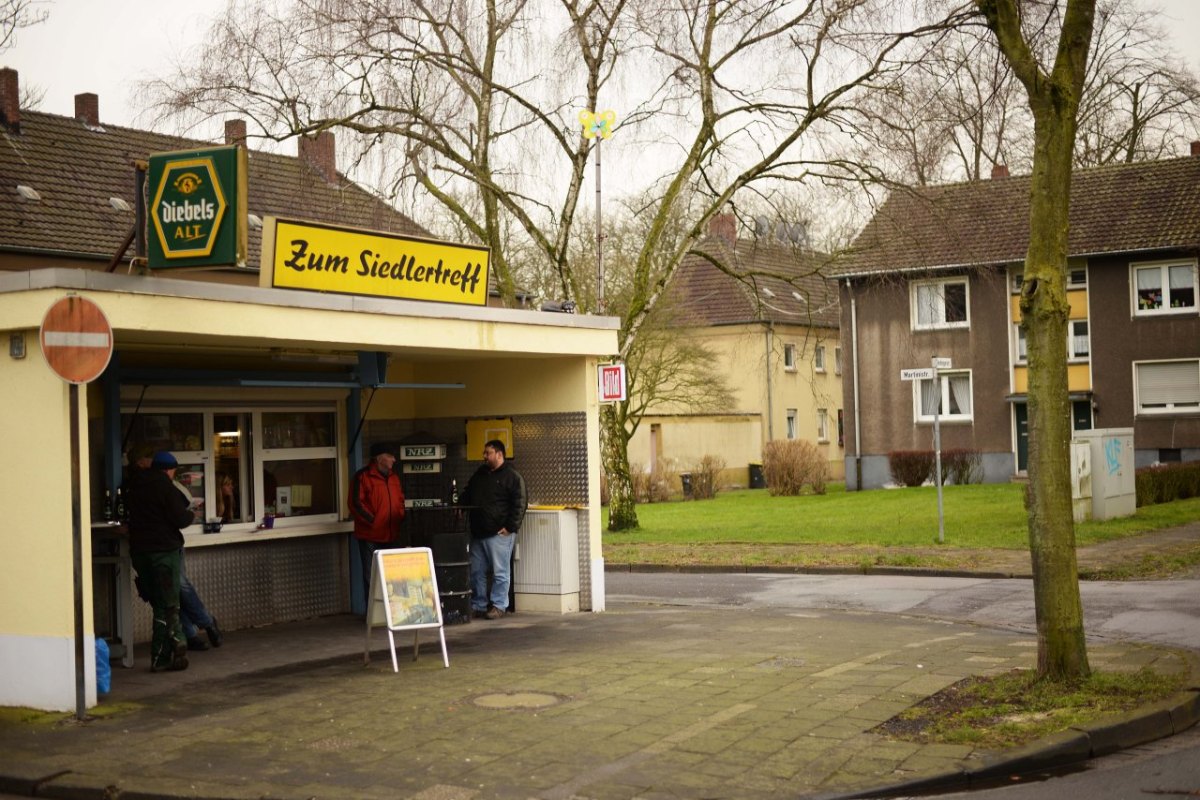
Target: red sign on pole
<point x="76" y="339"/>
<point x="612" y="383"/>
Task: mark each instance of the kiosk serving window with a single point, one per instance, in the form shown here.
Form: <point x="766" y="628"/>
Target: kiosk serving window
<point x="242" y="466"/>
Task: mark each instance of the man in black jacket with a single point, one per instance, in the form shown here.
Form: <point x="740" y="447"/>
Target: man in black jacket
<point x="157" y="513"/>
<point x="496" y="493"/>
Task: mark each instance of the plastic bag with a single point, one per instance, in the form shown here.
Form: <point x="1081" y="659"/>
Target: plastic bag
<point x="103" y="668"/>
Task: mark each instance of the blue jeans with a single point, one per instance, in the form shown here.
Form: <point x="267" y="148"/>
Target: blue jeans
<point x="493" y="553"/>
<point x="192" y="613"/>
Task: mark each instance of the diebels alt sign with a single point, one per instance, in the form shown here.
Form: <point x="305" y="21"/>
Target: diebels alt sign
<point x="325" y="258"/>
<point x="197" y="208"/>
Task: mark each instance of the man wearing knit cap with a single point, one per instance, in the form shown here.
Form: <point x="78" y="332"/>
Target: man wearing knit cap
<point x="377" y="505"/>
<point x="157" y="513"/>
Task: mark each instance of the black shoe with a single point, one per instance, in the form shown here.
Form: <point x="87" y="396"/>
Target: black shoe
<point x="179" y="664"/>
<point x="477" y="614"/>
<point x="215" y="637"/>
<point x="196" y="643"/>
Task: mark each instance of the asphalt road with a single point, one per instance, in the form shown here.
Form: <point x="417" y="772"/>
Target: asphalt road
<point x="1156" y="612"/>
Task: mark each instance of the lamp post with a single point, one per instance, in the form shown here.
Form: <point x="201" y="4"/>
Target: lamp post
<point x="598" y="126"/>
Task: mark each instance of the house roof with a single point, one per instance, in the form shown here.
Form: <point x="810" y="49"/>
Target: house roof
<point x="75" y="169"/>
<point x="1147" y="206"/>
<point x="793" y="291"/>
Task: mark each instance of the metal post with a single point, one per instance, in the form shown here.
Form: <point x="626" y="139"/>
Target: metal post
<point x="599" y="237"/>
<point x="937" y="450"/>
<point x="77" y="555"/>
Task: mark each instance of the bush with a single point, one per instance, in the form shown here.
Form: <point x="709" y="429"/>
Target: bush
<point x="1164" y="483"/>
<point x="911" y="467"/>
<point x="656" y="485"/>
<point x="790" y="464"/>
<point x="705" y="476"/>
<point x="962" y="466"/>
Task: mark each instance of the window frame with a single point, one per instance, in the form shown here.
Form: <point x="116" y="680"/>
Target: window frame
<point x="1164" y="270"/>
<point x="789" y="357"/>
<point x="1072" y="337"/>
<point x="792" y="421"/>
<point x="837" y="360"/>
<point x="823" y="425"/>
<point x="941" y="324"/>
<point x="1169" y="409"/>
<point x="944" y="377"/>
<point x="819" y="358"/>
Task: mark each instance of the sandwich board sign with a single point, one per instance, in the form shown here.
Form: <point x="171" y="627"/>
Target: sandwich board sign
<point x="404" y="597"/>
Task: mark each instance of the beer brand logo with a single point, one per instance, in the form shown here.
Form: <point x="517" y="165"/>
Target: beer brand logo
<point x="188" y="207"/>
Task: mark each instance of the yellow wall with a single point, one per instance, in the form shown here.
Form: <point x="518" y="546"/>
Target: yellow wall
<point x="685" y="440"/>
<point x="1079" y="378"/>
<point x="1078" y="299"/>
<point x="36" y="594"/>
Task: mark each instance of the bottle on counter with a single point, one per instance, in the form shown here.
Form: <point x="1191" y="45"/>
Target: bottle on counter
<point x="121" y="512"/>
<point x="107" y="510"/>
<point x="453" y="491"/>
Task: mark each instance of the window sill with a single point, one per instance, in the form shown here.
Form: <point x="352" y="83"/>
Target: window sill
<point x="249" y="533"/>
<point x="951" y="326"/>
<point x="946" y="420"/>
<point x="1144" y="313"/>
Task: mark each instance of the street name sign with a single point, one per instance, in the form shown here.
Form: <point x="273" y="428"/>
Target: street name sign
<point x="76" y="339"/>
<point x="920" y="374"/>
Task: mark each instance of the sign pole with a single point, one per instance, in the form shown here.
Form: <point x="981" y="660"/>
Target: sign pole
<point x="77" y="555"/>
<point x="937" y="450"/>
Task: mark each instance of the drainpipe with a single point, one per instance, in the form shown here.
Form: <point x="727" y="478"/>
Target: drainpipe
<point x="854" y="374"/>
<point x="770" y="409"/>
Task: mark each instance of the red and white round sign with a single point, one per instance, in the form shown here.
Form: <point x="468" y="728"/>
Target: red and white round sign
<point x="76" y="339"/>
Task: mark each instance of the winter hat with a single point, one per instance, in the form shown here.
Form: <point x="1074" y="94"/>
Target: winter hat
<point x="379" y="448"/>
<point x="164" y="460"/>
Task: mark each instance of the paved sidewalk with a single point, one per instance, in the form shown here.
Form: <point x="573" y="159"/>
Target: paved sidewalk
<point x="642" y="701"/>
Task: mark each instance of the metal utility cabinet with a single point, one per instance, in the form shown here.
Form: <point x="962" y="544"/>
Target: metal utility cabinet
<point x="546" y="571"/>
<point x="1106" y="472"/>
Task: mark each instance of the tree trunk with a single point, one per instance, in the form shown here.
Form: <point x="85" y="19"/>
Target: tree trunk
<point x="1062" y="651"/>
<point x="614" y="455"/>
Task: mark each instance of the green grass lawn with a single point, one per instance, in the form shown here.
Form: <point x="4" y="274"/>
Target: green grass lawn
<point x="980" y="516"/>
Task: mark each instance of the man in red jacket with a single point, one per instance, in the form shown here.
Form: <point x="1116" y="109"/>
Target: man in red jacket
<point x="377" y="505"/>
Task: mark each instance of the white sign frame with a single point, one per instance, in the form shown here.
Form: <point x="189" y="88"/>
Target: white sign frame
<point x="413" y="570"/>
<point x="607" y="377"/>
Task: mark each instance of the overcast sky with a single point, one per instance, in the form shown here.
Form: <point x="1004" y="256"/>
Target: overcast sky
<point x="106" y="46"/>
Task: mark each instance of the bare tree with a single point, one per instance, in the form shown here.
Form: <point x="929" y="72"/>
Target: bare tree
<point x="474" y="103"/>
<point x="1024" y="31"/>
<point x="17" y="14"/>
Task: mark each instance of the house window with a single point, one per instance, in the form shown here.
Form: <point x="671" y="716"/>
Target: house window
<point x="1078" y="347"/>
<point x="940" y="304"/>
<point x="1077" y="278"/>
<point x="1020" y="346"/>
<point x="837" y="361"/>
<point x="789" y="357"/>
<point x="1166" y="288"/>
<point x="1167" y="386"/>
<point x="949" y="397"/>
<point x="822" y="425"/>
<point x="791" y="423"/>
<point x="819" y="358"/>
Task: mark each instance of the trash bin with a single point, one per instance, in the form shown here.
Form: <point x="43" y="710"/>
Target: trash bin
<point x="757" y="481"/>
<point x="685" y="479"/>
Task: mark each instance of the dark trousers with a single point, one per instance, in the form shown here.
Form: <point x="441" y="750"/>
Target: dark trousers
<point x="158" y="575"/>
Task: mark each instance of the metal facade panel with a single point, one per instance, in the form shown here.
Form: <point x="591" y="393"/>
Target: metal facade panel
<point x="260" y="583"/>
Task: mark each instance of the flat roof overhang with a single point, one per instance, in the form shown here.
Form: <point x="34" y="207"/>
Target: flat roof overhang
<point x="156" y="312"/>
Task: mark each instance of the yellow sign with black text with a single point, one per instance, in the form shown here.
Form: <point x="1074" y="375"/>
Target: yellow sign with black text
<point x="325" y="258"/>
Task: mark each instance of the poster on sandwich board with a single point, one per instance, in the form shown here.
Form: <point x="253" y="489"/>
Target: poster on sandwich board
<point x="404" y="596"/>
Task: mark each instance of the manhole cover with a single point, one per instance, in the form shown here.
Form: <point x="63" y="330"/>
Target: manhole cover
<point x="517" y="700"/>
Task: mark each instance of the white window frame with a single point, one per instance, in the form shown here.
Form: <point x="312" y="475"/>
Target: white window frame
<point x="944" y="378"/>
<point x="1020" y="346"/>
<point x="1189" y="407"/>
<point x="1164" y="270"/>
<point x="837" y="360"/>
<point x="260" y="454"/>
<point x="789" y="357"/>
<point x="1072" y="337"/>
<point x="940" y="322"/>
<point x="819" y="358"/>
<point x="823" y="425"/>
<point x="792" y="433"/>
<point x="1074" y="284"/>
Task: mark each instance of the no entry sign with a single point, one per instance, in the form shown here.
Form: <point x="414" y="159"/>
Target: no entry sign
<point x="76" y="339"/>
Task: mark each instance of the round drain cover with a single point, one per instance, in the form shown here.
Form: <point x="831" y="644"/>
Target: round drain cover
<point x="517" y="700"/>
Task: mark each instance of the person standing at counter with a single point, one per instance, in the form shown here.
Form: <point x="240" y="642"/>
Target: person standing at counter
<point x="496" y="494"/>
<point x="157" y="513"/>
<point x="377" y="505"/>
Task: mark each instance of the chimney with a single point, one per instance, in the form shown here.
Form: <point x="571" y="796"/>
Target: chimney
<point x="724" y="226"/>
<point x="235" y="131"/>
<point x="999" y="171"/>
<point x="87" y="109"/>
<point x="320" y="154"/>
<point x="10" y="100"/>
<point x="1196" y="148"/>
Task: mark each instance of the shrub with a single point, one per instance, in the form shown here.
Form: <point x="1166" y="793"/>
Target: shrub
<point x="962" y="466"/>
<point x="1164" y="483"/>
<point x="910" y="467"/>
<point x="790" y="464"/>
<point x="652" y="486"/>
<point x="705" y="475"/>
